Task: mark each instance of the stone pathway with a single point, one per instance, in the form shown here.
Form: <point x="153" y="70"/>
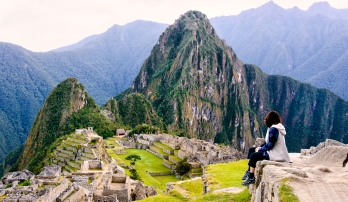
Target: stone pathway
<point x="325" y="192"/>
<point x="233" y="190"/>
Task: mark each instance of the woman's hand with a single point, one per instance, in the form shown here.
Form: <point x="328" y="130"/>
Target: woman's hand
<point x="257" y="149"/>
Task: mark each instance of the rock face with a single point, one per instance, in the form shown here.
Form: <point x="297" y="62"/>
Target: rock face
<point x="200" y="89"/>
<point x="197" y="84"/>
<point x="322" y="145"/>
<point x="311" y="178"/>
<point x="330" y="156"/>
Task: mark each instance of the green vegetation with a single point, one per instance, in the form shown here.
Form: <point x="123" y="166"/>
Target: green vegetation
<point x="24" y="183"/>
<point x="133" y="157"/>
<point x="164" y="146"/>
<point x="149" y="163"/>
<point x="57" y="119"/>
<point x="192" y="190"/>
<point x="285" y="192"/>
<point x="183" y="167"/>
<point x="134" y="175"/>
<point x="7" y="186"/>
<point x="145" y="129"/>
<point x="226" y="174"/>
<point x="11" y="160"/>
<point x="193" y="187"/>
<point x="134" y="109"/>
<point x="175" y="196"/>
<point x="28" y="77"/>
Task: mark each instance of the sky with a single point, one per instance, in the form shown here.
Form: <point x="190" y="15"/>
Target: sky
<point x="43" y="25"/>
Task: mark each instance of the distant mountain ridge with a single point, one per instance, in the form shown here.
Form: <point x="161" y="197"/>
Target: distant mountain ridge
<point x="108" y="63"/>
<point x="107" y="66"/>
<point x="310" y="46"/>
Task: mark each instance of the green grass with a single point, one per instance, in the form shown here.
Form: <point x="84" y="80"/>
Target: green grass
<point x="226" y="174"/>
<point x="164" y="146"/>
<point x="165" y="179"/>
<point x="159" y="150"/>
<point x="175" y="158"/>
<point x="194" y="187"/>
<point x="175" y="196"/>
<point x="243" y="196"/>
<point x="285" y="192"/>
<point x="149" y="162"/>
<point x="111" y="141"/>
<point x="162" y="198"/>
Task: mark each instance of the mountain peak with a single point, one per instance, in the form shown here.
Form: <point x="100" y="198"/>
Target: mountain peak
<point x="191" y="21"/>
<point x="271" y="5"/>
<point x="320" y="5"/>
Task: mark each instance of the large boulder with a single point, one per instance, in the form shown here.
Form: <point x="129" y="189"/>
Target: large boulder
<point x="332" y="156"/>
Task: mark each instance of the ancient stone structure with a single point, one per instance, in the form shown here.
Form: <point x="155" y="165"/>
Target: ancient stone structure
<point x="97" y="178"/>
<point x="317" y="174"/>
<point x="50" y="172"/>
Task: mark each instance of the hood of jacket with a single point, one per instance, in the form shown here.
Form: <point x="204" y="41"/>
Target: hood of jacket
<point x="280" y="128"/>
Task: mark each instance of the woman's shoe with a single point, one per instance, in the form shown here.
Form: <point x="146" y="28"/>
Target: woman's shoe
<point x="245" y="175"/>
<point x="248" y="181"/>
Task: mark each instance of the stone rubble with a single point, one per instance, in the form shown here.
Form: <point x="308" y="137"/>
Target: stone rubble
<point x="97" y="180"/>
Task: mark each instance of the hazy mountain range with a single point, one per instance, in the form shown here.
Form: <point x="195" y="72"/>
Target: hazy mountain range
<point x="194" y="85"/>
<point x="311" y="46"/>
<point x="106" y="65"/>
<point x="306" y="45"/>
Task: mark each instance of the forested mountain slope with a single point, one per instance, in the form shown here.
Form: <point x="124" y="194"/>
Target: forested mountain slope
<point x="107" y="65"/>
<point x="199" y="87"/>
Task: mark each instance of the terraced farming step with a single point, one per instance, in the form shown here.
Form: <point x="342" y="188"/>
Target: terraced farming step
<point x="60" y="158"/>
<point x="169" y="164"/>
<point x="174" y="159"/>
<point x="71" y="144"/>
<point x="67" y="152"/>
<point x="159" y="152"/>
<point x="88" y="155"/>
<point x="78" y="141"/>
<point x="64" y="155"/>
<point x="74" y="164"/>
<point x="165" y="148"/>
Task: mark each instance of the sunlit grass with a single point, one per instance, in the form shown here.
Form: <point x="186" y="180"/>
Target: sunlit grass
<point x="148" y="163"/>
<point x="193" y="187"/>
<point x="175" y="196"/>
<point x="285" y="192"/>
<point x="226" y="174"/>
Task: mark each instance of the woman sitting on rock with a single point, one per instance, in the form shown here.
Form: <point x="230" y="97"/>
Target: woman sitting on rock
<point x="274" y="147"/>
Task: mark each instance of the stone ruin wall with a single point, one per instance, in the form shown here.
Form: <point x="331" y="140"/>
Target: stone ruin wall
<point x="205" y="152"/>
<point x="77" y="196"/>
<point x="95" y="164"/>
<point x="122" y="194"/>
<point x="128" y="144"/>
<point x="112" y="198"/>
<point x="55" y="192"/>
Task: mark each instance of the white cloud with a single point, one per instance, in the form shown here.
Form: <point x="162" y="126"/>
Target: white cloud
<point x="42" y="25"/>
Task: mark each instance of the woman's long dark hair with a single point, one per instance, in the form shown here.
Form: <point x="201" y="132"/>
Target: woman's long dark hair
<point x="272" y="118"/>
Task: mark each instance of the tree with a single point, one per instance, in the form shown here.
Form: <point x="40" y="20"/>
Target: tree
<point x="135" y="175"/>
<point x="183" y="167"/>
<point x="133" y="158"/>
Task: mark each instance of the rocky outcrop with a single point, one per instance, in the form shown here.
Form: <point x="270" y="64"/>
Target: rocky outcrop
<point x="327" y="143"/>
<point x="310" y="178"/>
<point x="330" y="156"/>
<point x="268" y="179"/>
